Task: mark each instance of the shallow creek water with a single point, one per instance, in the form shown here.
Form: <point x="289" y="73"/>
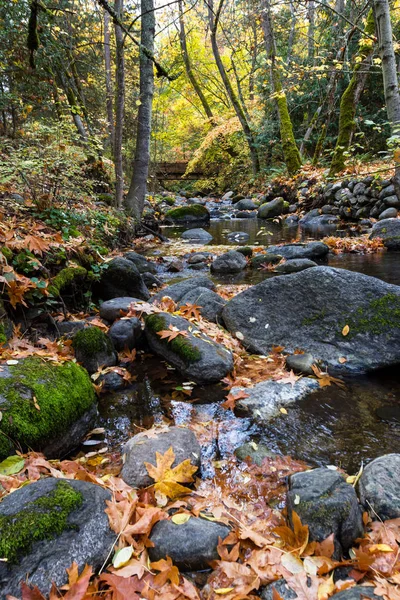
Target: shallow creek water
<point x="334" y="426"/>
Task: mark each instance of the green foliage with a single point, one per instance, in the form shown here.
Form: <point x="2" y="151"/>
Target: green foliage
<point x="63" y="392"/>
<point x="41" y="519"/>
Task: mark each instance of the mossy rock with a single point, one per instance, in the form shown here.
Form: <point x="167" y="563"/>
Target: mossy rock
<point x="46" y="526"/>
<point x="259" y="260"/>
<point x="188" y="214"/>
<point x="94" y="349"/>
<point x="6" y="326"/>
<point x="246" y="251"/>
<point x="66" y="399"/>
<point x="71" y="284"/>
<point x="194" y="354"/>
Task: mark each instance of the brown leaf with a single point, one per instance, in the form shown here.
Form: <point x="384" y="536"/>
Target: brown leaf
<point x="168" y="479"/>
<point x="171" y="333"/>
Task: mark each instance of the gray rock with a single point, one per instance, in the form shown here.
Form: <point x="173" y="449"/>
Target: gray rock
<point x="268" y="258"/>
<point x="230" y="262"/>
<point x="388" y="213"/>
<point x="242" y="214"/>
<point x="112" y="382"/>
<point x="143" y="265"/>
<point x="255" y="452"/>
<point x="319" y="221"/>
<point x="272" y="209"/>
<point x="198" y="235"/>
<point x="141" y="449"/>
<point x="122" y="278"/>
<point x="387" y="191"/>
<point x="191" y="546"/>
<point x="125" y="333"/>
<point x="313" y="250"/>
<point x="196" y="355"/>
<point x="68" y="328"/>
<point x="358" y="592"/>
<point x="309" y="310"/>
<point x="359" y="189"/>
<point x="295" y="265"/>
<point x="227" y="196"/>
<point x="300" y="363"/>
<point x="178" y="290"/>
<point x="87" y="539"/>
<point x="198" y="257"/>
<point x="211" y="303"/>
<point x="114" y="309"/>
<point x="326" y="210"/>
<point x="389" y="231"/>
<point x="94" y="349"/>
<point x="379" y="487"/>
<point x="280" y="586"/>
<point x="327" y="504"/>
<point x="151" y="281"/>
<point x="265" y="399"/>
<point x="238" y="236"/>
<point x="246" y="204"/>
<point x="392" y="201"/>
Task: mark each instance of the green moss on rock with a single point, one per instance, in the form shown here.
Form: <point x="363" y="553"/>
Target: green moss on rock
<point x="380" y="317"/>
<point x="180" y="345"/>
<point x="182" y="213"/>
<point x="91" y="341"/>
<point x="41" y="519"/>
<point x="63" y="392"/>
<point x="67" y="278"/>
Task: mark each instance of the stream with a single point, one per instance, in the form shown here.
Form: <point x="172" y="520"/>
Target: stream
<point x="334" y="426"/>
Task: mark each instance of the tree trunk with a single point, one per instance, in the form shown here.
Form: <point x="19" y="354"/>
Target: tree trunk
<point x="390" y="82"/>
<point x="119" y="105"/>
<point x="214" y="20"/>
<point x="188" y="66"/>
<point x="291" y="153"/>
<point x="137" y="191"/>
<point x="350" y="97"/>
<point x="109" y="90"/>
<point x="311" y="30"/>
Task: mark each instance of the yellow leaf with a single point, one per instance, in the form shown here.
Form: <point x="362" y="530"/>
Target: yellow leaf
<point x="122" y="557"/>
<point x="168" y="480"/>
<point x="180" y="518"/>
<point x="283" y="411"/>
<point x="345" y="330"/>
<point x="326" y="588"/>
<point x="380" y="548"/>
<point x="342" y="360"/>
<point x="222" y="591"/>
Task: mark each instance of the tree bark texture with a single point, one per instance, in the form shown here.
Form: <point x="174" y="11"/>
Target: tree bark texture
<point x="119" y="106"/>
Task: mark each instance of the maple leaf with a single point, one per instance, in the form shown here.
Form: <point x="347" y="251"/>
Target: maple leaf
<point x="190" y="311"/>
<point x="123" y="588"/>
<point x="36" y="244"/>
<point x="171" y="333"/>
<point x="168" y="572"/>
<point x="324" y="379"/>
<point x="168" y="479"/>
<point x="231" y="399"/>
<point x="291" y="378"/>
<point x="296" y="538"/>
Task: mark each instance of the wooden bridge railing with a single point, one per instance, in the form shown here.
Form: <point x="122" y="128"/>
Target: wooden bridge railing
<point x="174" y="171"/>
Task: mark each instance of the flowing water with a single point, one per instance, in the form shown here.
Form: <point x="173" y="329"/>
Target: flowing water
<point x="343" y="427"/>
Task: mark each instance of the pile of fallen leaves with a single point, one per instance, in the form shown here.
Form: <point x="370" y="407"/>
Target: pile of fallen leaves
<point x="358" y="245"/>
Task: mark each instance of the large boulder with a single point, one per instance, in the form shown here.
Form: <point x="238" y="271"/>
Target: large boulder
<point x="48" y="525"/>
<point x="195" y="355"/>
<point x="389" y="232"/>
<point x="191" y="546"/>
<point x="330" y="313"/>
<point x="265" y="399"/>
<point x="272" y="209"/>
<point x="141" y="449"/>
<point x="66" y="401"/>
<point x="327" y="504"/>
<point x="94" y="349"/>
<point x="195" y="213"/>
<point x="197" y="235"/>
<point x="379" y="487"/>
<point x="122" y="278"/>
<point x="230" y="262"/>
<point x="177" y="291"/>
<point x="310" y="250"/>
<point x="211" y="304"/>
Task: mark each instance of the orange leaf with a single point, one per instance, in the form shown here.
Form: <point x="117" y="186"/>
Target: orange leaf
<point x="168" y="479"/>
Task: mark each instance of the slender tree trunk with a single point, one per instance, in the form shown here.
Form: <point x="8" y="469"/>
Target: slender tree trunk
<point x="214" y="21"/>
<point x="348" y="103"/>
<point x="390" y="82"/>
<point x="188" y="66"/>
<point x="291" y="33"/>
<point x="311" y="31"/>
<point x="254" y="55"/>
<point x="119" y="105"/>
<point x="74" y="105"/>
<point x="290" y="151"/>
<point x="137" y="191"/>
<point x="109" y="90"/>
